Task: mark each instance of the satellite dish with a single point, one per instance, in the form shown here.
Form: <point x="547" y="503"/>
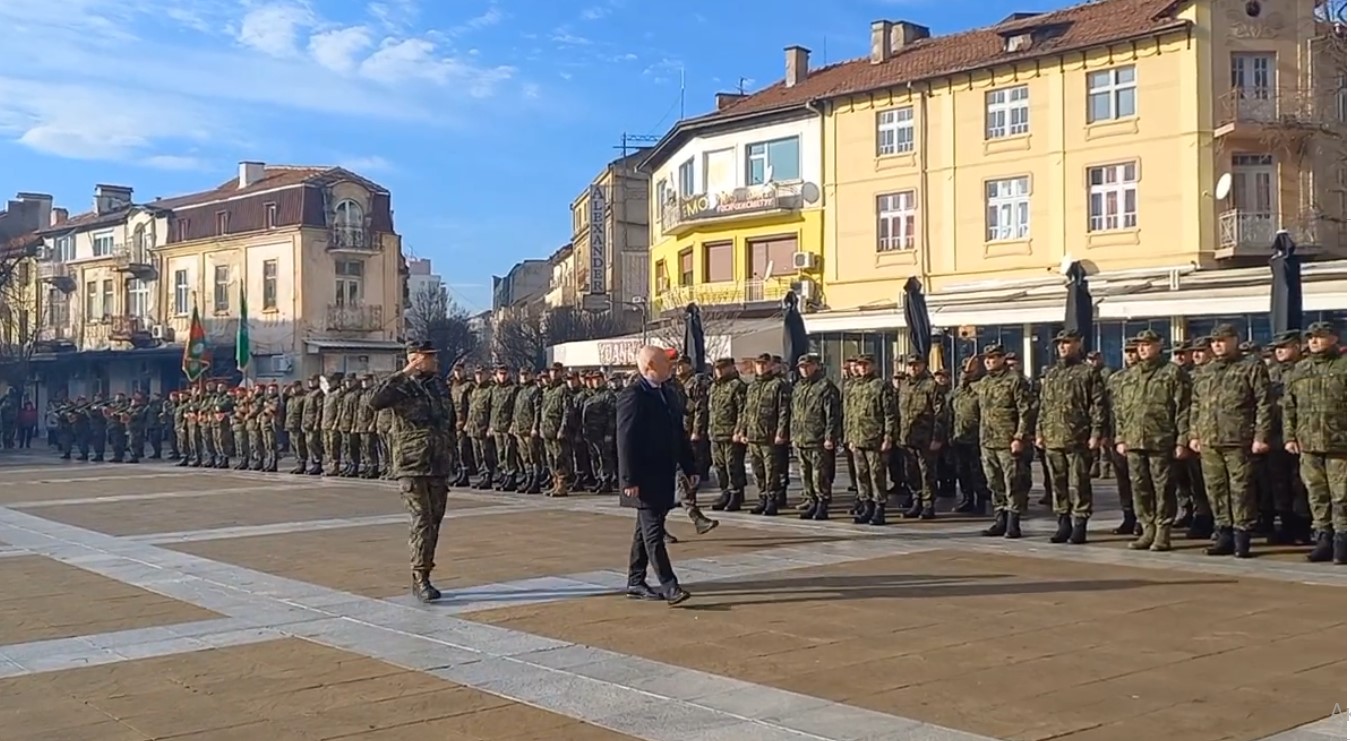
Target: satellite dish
<point x="1223" y="186"/>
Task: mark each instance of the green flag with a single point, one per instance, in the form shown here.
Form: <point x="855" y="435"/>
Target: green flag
<point x="195" y="358"/>
<point x="243" y="353"/>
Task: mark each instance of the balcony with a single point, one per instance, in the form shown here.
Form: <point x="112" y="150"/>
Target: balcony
<point x="59" y="274"/>
<point x="134" y="259"/>
<point x="352" y="239"/>
<point x="746" y="295"/>
<point x="681" y="215"/>
<point x="128" y="328"/>
<point x="354" y="318"/>
<point x="1251" y="233"/>
<point x="1255" y="112"/>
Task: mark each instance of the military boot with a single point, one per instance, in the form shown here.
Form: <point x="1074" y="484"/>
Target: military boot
<point x="927" y="512"/>
<point x="879" y="517"/>
<point x="1242" y="543"/>
<point x="965" y="505"/>
<point x="1146" y="538"/>
<point x="1015" y="526"/>
<point x="721" y="502"/>
<point x="1184" y="517"/>
<point x="808" y="512"/>
<point x="1322" y="549"/>
<point x="1079" y="531"/>
<point x="780" y="500"/>
<point x="702" y="524"/>
<point x="532" y="485"/>
<point x="806" y="505"/>
<point x="183" y="463"/>
<point x="863" y="514"/>
<point x="1339" y="549"/>
<point x="484" y="482"/>
<point x="914" y="510"/>
<point x="423" y="589"/>
<point x="560" y="488"/>
<point x="1163" y="540"/>
<point x="1224" y="544"/>
<point x="736" y="501"/>
<point x="998" y="527"/>
<point x="1283" y="533"/>
<point x="1062" y="529"/>
<point x="760" y="506"/>
<point x="1201" y="528"/>
<point x="822" y="510"/>
<point x="771" y="506"/>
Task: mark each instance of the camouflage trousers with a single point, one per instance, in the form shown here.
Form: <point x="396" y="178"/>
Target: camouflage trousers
<point x="508" y="455"/>
<point x="485" y="454"/>
<point x="1279" y="487"/>
<point x="370" y="450"/>
<point x="765" y="467"/>
<point x="225" y="441"/>
<point x="314" y="446"/>
<point x="182" y="440"/>
<point x="1189" y="484"/>
<point x="816" y="464"/>
<point x="921" y="471"/>
<point x="425" y="499"/>
<point x="1009" y="477"/>
<point x="1071" y="485"/>
<point x="300" y="447"/>
<point x="966" y="467"/>
<point x="333" y="450"/>
<point x="530" y="450"/>
<point x="1152" y="492"/>
<point x="240" y="433"/>
<point x="1228" y="473"/>
<point x="559" y="453"/>
<point x="1324" y="476"/>
<point x="136" y="443"/>
<point x="729" y="465"/>
<point x="871" y="465"/>
<point x="604" y="457"/>
<point x="269" y="446"/>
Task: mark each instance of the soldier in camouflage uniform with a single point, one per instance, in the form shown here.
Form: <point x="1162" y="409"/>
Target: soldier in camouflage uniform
<point x="530" y="449"/>
<point x="1189" y="481"/>
<point x="726" y="404"/>
<point x="598" y="430"/>
<point x="581" y="453"/>
<point x="137" y="413"/>
<point x="98" y="430"/>
<point x="500" y="418"/>
<point x="763" y="426"/>
<point x="1230" y="425"/>
<point x="157" y="417"/>
<point x="964" y="434"/>
<point x="847" y="378"/>
<point x="921" y="432"/>
<point x="221" y="429"/>
<point x="239" y="430"/>
<point x="870" y="427"/>
<point x="556" y="419"/>
<point x="330" y="412"/>
<point x="269" y="424"/>
<point x="1101" y="467"/>
<point x="294" y="424"/>
<point x="347" y="419"/>
<point x="478" y="427"/>
<point x="1129" y="525"/>
<point x="384" y="431"/>
<point x="696" y="387"/>
<point x="117" y="418"/>
<point x="1153" y="414"/>
<point x="1007" y="417"/>
<point x="182" y="440"/>
<point x="461" y="386"/>
<point x="817" y="426"/>
<point x="368" y="444"/>
<point x="1278" y="478"/>
<point x="1313" y="422"/>
<point x="1071" y="415"/>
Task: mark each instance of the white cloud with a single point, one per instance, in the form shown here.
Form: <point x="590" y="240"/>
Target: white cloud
<point x="530" y="91"/>
<point x="338" y="49"/>
<point x="595" y="13"/>
<point x="565" y="75"/>
<point x="275" y="29"/>
<point x="394" y="15"/>
<point x="490" y="17"/>
<point x="564" y="35"/>
<point x="663" y="70"/>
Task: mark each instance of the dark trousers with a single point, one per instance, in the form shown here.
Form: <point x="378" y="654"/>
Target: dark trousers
<point x="649" y="548"/>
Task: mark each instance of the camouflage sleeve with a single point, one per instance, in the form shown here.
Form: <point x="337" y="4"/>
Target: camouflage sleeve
<point x="938" y="402"/>
<point x="1025" y="403"/>
<point x="566" y="424"/>
<point x="1290" y="407"/>
<point x="1097" y="406"/>
<point x="1036" y="427"/>
<point x="390" y="392"/>
<point x="834" y="415"/>
<point x="891" y="414"/>
<point x="1261" y="386"/>
<point x="701" y="410"/>
<point x="1182" y="404"/>
<point x="739" y="410"/>
<point x="781" y="429"/>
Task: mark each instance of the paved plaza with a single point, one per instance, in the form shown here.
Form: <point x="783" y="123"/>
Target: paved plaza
<point x="155" y="602"/>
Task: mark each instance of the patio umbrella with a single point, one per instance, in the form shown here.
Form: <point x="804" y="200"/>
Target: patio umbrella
<point x="1079" y="303"/>
<point x="795" y="343"/>
<point x="694" y="337"/>
<point x="917" y="325"/>
<point x="1287" y="291"/>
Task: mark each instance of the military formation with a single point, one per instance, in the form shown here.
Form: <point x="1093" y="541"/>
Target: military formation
<point x="1224" y="443"/>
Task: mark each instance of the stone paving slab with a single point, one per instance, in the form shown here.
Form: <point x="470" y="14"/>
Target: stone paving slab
<point x="372" y="561"/>
<point x="43" y="599"/>
<point x="1260" y="549"/>
<point x="284" y="689"/>
<point x="1014" y="648"/>
<point x="79" y="482"/>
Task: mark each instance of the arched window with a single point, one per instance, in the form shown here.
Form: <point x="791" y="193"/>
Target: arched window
<point x="348" y="214"/>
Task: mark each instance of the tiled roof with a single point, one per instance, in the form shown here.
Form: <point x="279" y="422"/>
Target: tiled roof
<point x="91" y="220"/>
<point x="273" y="177"/>
<point x="20" y="244"/>
<point x="1079" y="27"/>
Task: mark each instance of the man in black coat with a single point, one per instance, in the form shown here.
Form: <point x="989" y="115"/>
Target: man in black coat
<point x="653" y="448"/>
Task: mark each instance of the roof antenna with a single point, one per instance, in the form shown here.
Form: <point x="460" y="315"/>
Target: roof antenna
<point x="741" y="86"/>
<point x="825" y="50"/>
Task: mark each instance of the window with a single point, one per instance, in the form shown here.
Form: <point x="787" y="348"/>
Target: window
<point x="347" y="288"/>
<point x="896" y="131"/>
<point x="65" y="249"/>
<point x="771" y="257"/>
<point x="1111" y="94"/>
<point x="718" y="262"/>
<point x="1006" y="112"/>
<point x="687" y="178"/>
<point x="687" y="267"/>
<point x="720" y="170"/>
<point x="138" y="298"/>
<point x="1007" y="209"/>
<point x="270" y="215"/>
<point x="773" y="161"/>
<point x="103" y="244"/>
<point x="181" y="292"/>
<point x="1111" y="197"/>
<point x="92" y="308"/>
<point x="269" y="285"/>
<point x="663" y="279"/>
<point x="1251" y="74"/>
<point x="182" y="225"/>
<point x="108" y="307"/>
<point x="222" y="222"/>
<point x="220" y="290"/>
<point x="349" y="214"/>
<point x="896" y="221"/>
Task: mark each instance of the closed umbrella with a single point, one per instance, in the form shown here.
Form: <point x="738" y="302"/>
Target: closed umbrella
<point x="1287" y="290"/>
<point x="795" y="343"/>
<point x="917" y="325"/>
<point x="1079" y="303"/>
<point x="694" y="338"/>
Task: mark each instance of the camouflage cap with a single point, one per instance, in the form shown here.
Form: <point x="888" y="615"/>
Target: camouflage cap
<point x="1288" y="337"/>
<point x="501" y="368"/>
<point x="915" y="359"/>
<point x="995" y="350"/>
<point x="525" y="370"/>
<point x="1181" y="348"/>
<point x="1147" y="337"/>
<point x="1224" y="330"/>
<point x="479" y="370"/>
<point x="1321" y="329"/>
<point x="777" y="358"/>
<point x="1200" y="343"/>
<point x="421" y="348"/>
<point x="724" y="362"/>
<point x="1248" y="346"/>
<point x="1130" y="346"/>
<point x="764" y="357"/>
<point x="864" y="360"/>
<point x="1068" y="335"/>
<point x="557" y="367"/>
<point x="810" y="358"/>
<point x="1093" y="355"/>
<point x="684" y="360"/>
<point x="941" y="373"/>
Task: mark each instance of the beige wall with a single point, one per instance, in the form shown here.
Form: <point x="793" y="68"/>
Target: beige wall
<point x="627" y="237"/>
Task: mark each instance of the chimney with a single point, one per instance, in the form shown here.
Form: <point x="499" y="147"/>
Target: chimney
<point x="795" y="65"/>
<point x="41" y="203"/>
<point x="905" y="33"/>
<point x="109" y="198"/>
<point x="250" y="173"/>
<point x="880" y="48"/>
<point x="722" y="100"/>
<point x="59" y="216"/>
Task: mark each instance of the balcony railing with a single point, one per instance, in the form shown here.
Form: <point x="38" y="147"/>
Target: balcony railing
<point x="357" y="238"/>
<point x="127" y="255"/>
<point x="1273" y="107"/>
<point x="1247" y="230"/>
<point x="124" y="327"/>
<point x="50" y="270"/>
<point x="738" y="293"/>
<point x="750" y="201"/>
<point x="358" y="318"/>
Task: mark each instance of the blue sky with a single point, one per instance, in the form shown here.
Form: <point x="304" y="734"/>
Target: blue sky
<point x="484" y="118"/>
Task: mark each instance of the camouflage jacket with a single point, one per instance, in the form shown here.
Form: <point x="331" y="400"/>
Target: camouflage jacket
<point x="423" y="422"/>
<point x="365" y="413"/>
<point x="332" y="410"/>
<point x="384" y="421"/>
<point x="870" y="413"/>
<point x="501" y="407"/>
<point x="295" y="412"/>
<point x="921" y="417"/>
<point x="726" y="404"/>
<point x="312" y="414"/>
<point x="1072" y="406"/>
<point x="525" y="410"/>
<point x="1314" y="406"/>
<point x="598" y="415"/>
<point x="1231" y="403"/>
<point x="348" y="409"/>
<point x="767" y="408"/>
<point x="460" y="391"/>
<point x="556" y="412"/>
<point x="817" y="415"/>
<point x="480" y="410"/>
<point x="1007" y="408"/>
<point x="696" y="404"/>
<point x="1153" y="408"/>
<point x="965" y="408"/>
<point x="1278" y="372"/>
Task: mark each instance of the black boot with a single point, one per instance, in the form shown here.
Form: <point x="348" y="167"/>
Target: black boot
<point x="1127" y="526"/>
<point x="1283" y="533"/>
<point x="809" y="512"/>
<point x="1015" y="528"/>
<point x="927" y="512"/>
<point x="720" y="503"/>
<point x="999" y="527"/>
<point x="879" y="517"/>
<point x="965" y="505"/>
<point x="1224" y="543"/>
<point x="1322" y="550"/>
<point x="913" y="510"/>
<point x="1079" y="532"/>
<point x="1242" y="544"/>
<point x="1201" y="528"/>
<point x="1339" y="549"/>
<point x="1301" y="530"/>
<point x="738" y="498"/>
<point x="1062" y="529"/>
<point x="423" y="589"/>
<point x="183" y="463"/>
<point x="1184" y="517"/>
<point x="864" y="514"/>
<point x="532" y="484"/>
<point x="771" y="507"/>
<point x="822" y="510"/>
<point x="760" y="506"/>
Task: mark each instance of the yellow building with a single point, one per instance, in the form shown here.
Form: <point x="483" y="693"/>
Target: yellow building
<point x="1160" y="143"/>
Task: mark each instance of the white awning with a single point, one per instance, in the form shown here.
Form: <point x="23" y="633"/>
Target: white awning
<point x="318" y="346"/>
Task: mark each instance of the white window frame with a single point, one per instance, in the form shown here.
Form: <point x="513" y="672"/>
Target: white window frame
<point x="896" y="131"/>
<point x="1113" y="198"/>
<point x="138" y="298"/>
<point x="1007" y="112"/>
<point x="270" y="285"/>
<point x="896" y="221"/>
<point x="182" y="292"/>
<point x="1114" y="89"/>
<point x="64" y="248"/>
<point x="91" y="301"/>
<point x="109" y="297"/>
<point x="349" y="214"/>
<point x="685" y="176"/>
<point x="1008" y="209"/>
<point x="102" y="243"/>
<point x="766" y="167"/>
<point x="220" y="289"/>
<point x="349" y="288"/>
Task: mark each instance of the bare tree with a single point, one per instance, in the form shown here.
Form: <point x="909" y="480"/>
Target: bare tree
<point x="435" y="318"/>
<point x="521" y="337"/>
<point x="18" y="326"/>
<point x="571" y="324"/>
<point x="722" y="325"/>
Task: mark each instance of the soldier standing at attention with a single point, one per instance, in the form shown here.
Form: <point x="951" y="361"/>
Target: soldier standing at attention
<point x="726" y="404"/>
<point x="479" y="429"/>
<point x="598" y="431"/>
<point x="1071" y="415"/>
<point x="582" y="469"/>
<point x="384" y="428"/>
<point x="529" y="450"/>
<point x="965" y="439"/>
<point x="347" y="426"/>
<point x="241" y="430"/>
<point x="294" y="413"/>
<point x="870" y="425"/>
<point x="328" y="422"/>
<point x="847" y="379"/>
<point x="424" y="426"/>
<point x="764" y="425"/>
<point x="1189" y="478"/>
<point x="1129" y="525"/>
<point x="696" y="387"/>
<point x="1280" y="471"/>
<point x="1152" y="429"/>
<point x="1007" y="411"/>
<point x="268" y="425"/>
<point x="500" y="417"/>
<point x="1314" y="428"/>
<point x="556" y="415"/>
<point x="921" y="431"/>
<point x="137" y="420"/>
<point x="461" y="386"/>
<point x="1230" y="426"/>
<point x="311" y="424"/>
<point x="1101" y="468"/>
<point x="225" y="440"/>
<point x="817" y="422"/>
<point x="368" y="445"/>
<point x="180" y="446"/>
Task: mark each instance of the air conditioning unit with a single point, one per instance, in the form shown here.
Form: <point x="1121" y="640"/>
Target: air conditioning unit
<point x="162" y="332"/>
<point x="805" y="289"/>
<point x="804" y="260"/>
<point x="284" y="364"/>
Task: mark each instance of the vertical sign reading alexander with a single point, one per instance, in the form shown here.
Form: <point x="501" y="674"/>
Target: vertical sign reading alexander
<point x="597" y="245"/>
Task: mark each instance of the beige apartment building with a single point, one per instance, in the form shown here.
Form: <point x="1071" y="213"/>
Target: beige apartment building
<point x="610" y="238"/>
<point x="312" y="250"/>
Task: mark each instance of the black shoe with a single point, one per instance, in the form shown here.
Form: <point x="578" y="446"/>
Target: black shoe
<point x="1062" y="529"/>
<point x="913" y="510"/>
<point x="879" y="517"/>
<point x="1201" y="528"/>
<point x="927" y="513"/>
<point x="771" y="507"/>
<point x="643" y="592"/>
<point x="809" y="512"/>
<point x="670" y="539"/>
<point x="738" y="498"/>
<point x="1079" y="532"/>
<point x="676" y="596"/>
<point x="1242" y="544"/>
<point x="722" y="501"/>
<point x="1339" y="549"/>
<point x="1323" y="549"/>
<point x="1015" y="528"/>
<point x="822" y="510"/>
<point x="998" y="527"/>
<point x="1184" y="518"/>
<point x="966" y="505"/>
<point x="423" y="589"/>
<point x="182" y="463"/>
<point x="863" y="512"/>
<point x="1224" y="543"/>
